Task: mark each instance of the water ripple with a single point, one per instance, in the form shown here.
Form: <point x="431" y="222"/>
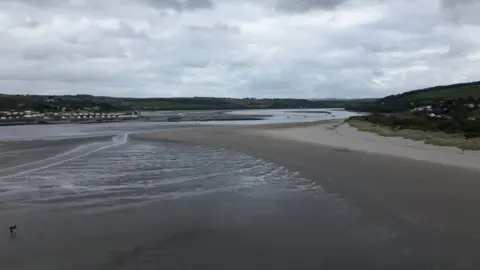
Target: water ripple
<point x="123" y="173"/>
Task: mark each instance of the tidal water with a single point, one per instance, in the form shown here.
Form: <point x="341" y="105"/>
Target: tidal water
<point x="93" y="197"/>
<point x="108" y="173"/>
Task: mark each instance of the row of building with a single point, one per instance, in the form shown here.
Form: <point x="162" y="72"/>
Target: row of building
<point x="13" y="115"/>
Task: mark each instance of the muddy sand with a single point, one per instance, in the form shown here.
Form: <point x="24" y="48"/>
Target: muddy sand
<point x="412" y="189"/>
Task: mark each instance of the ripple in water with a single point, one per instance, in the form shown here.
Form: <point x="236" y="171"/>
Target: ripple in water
<point x="124" y="173"/>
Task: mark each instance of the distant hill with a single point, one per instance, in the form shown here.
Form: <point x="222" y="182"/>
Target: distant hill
<point x="452" y="109"/>
<point x="422" y="97"/>
<point x="52" y="103"/>
<point x="393" y="103"/>
<point x="437" y="93"/>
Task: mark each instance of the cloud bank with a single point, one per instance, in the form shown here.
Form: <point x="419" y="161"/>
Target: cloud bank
<point x="236" y="48"/>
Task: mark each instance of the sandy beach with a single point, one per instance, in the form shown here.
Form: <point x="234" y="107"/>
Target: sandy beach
<point x="341" y="135"/>
<point x="426" y="195"/>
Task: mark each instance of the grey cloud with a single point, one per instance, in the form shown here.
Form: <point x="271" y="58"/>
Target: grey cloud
<point x="216" y="28"/>
<point x="37" y="2"/>
<point x="40" y="52"/>
<point x="293" y="6"/>
<point x="453" y="3"/>
<point x="58" y="73"/>
<point x="233" y="47"/>
<point x="31" y="23"/>
<point x="459" y="48"/>
<point x="180" y="5"/>
<point x="462" y="11"/>
<point x="198" y="4"/>
<point x="378" y="72"/>
<point x="164" y="4"/>
<point x="100" y="49"/>
<point x="125" y="31"/>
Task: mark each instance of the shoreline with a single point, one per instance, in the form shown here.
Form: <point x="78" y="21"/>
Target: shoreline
<point x="428" y="137"/>
<point x="393" y="190"/>
<point x="342" y="135"/>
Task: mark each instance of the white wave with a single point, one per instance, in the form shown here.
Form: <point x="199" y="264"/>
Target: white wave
<point x="117" y="140"/>
<point x="76" y="149"/>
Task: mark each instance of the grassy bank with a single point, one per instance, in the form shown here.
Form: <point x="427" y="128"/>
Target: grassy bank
<point x="430" y="137"/>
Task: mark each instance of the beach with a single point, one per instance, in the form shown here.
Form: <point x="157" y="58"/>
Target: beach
<point x="278" y="196"/>
<point x="427" y="194"/>
<point x="341" y="135"/>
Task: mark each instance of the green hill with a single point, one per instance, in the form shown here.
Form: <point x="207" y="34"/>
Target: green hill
<point x="97" y="103"/>
<point x="423" y="97"/>
<point x="432" y="112"/>
<point x="438" y="93"/>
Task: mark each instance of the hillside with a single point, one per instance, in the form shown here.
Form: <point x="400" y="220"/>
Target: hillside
<point x="423" y="97"/>
<point x="451" y="109"/>
<point x="98" y="103"/>
<point x="438" y="93"/>
<point x="393" y="103"/>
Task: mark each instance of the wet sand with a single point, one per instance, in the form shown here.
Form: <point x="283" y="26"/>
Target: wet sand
<point x="430" y="209"/>
<point x="24" y="152"/>
<point x="180" y="199"/>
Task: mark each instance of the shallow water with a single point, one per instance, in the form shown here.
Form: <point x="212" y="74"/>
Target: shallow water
<point x="36" y="132"/>
<point x="119" y="172"/>
<point x="89" y="197"/>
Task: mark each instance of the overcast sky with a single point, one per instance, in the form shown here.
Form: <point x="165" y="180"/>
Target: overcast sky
<point x="237" y="48"/>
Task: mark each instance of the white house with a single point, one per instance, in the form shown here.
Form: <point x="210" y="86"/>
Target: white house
<point x="423" y="108"/>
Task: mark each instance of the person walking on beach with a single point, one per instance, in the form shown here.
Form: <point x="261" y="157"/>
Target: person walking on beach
<point x="13" y="230"/>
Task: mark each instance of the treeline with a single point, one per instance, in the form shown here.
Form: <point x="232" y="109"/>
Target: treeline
<point x="235" y="104"/>
<point x="81" y="102"/>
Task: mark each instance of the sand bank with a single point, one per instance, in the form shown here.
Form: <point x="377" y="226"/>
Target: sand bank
<point x="341" y="135"/>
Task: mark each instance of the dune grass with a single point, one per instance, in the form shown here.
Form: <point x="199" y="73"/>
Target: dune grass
<point x="429" y="137"/>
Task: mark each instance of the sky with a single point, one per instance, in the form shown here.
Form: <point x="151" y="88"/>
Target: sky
<point x="237" y="48"/>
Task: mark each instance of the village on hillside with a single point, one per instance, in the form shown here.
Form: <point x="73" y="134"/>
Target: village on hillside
<point x="451" y="115"/>
<point x="467" y="109"/>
